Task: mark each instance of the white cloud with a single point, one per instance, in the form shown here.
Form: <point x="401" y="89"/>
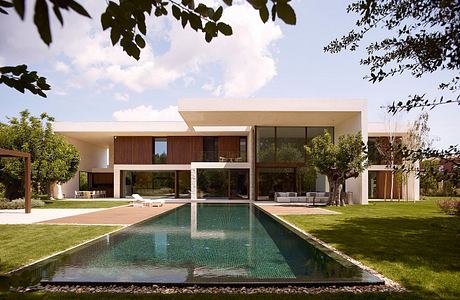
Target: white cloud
<point x="121" y="96"/>
<point x="61" y="67"/>
<point x="243" y="62"/>
<point x="147" y="113"/>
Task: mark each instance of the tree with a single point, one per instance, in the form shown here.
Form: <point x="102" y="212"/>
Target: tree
<point x="126" y="22"/>
<point x="338" y="162"/>
<point x="53" y="159"/>
<point x="424" y="36"/>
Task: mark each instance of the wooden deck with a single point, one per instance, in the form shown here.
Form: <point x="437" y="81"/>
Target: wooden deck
<point x="287" y="209"/>
<point x="126" y="215"/>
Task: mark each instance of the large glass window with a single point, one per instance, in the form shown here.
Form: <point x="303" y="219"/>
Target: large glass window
<point x="223" y="183"/>
<point x="271" y="180"/>
<point x="156" y="184"/>
<point x="183" y="184"/>
<point x="83" y="181"/>
<point x="290" y="144"/>
<point x="160" y="148"/>
<point x="243" y="148"/>
<point x="313" y="132"/>
<point x="210" y="148"/>
<point x="265" y="144"/>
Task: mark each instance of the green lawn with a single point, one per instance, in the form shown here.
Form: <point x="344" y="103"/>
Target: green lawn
<point x="412" y="243"/>
<point x="23" y="244"/>
<point x="83" y="204"/>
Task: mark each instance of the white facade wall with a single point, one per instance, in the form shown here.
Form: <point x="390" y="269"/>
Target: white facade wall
<point x="91" y="156"/>
<point x="358" y="186"/>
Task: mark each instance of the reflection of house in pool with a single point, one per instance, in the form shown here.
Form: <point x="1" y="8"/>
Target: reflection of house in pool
<point x="202" y="243"/>
<point x="239" y="149"/>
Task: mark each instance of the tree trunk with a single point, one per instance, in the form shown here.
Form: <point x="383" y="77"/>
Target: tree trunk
<point x="385" y="187"/>
<point x="392" y="184"/>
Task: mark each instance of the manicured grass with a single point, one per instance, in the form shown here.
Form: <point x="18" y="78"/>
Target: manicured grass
<point x="412" y="243"/>
<point x="83" y="204"/>
<point x="23" y="244"/>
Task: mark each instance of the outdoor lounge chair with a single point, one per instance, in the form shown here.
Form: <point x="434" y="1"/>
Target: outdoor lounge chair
<point x="139" y="201"/>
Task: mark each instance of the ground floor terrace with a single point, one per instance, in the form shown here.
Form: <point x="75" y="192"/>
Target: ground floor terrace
<point x="392" y="238"/>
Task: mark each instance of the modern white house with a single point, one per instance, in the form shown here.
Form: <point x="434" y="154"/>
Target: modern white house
<point x="241" y="149"/>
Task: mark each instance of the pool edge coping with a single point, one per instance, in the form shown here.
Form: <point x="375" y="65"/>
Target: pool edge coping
<point x="303" y="234"/>
<point x="85" y="242"/>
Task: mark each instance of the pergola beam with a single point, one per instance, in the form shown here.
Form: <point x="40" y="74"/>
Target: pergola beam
<point x="27" y="175"/>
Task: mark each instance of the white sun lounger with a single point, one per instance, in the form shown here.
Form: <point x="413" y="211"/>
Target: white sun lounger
<point x="141" y="202"/>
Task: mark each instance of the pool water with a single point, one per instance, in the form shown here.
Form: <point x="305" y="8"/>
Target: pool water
<point x="200" y="243"/>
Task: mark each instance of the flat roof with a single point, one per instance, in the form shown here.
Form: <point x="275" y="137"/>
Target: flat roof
<point x="269" y="111"/>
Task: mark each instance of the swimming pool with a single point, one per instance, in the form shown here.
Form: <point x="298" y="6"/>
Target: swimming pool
<point x="200" y="244"/>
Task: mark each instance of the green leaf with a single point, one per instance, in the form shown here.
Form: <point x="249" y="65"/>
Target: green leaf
<point x="286" y="13"/>
<point x="225" y="29"/>
<point x="208" y="37"/>
<point x="140" y="41"/>
<point x="106" y="20"/>
<point x="218" y="14"/>
<point x="195" y="22"/>
<point x="115" y="34"/>
<point x="184" y="17"/>
<point x="176" y="12"/>
<point x="19" y="6"/>
<point x="228" y="2"/>
<point x="263" y="13"/>
<point x="273" y="12"/>
<point x="58" y="14"/>
<point x="42" y="21"/>
<point x="3" y="11"/>
<point x="78" y="8"/>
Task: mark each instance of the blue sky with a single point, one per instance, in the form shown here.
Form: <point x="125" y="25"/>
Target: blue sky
<point x="93" y="81"/>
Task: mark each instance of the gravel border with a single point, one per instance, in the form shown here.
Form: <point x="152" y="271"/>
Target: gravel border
<point x="158" y="289"/>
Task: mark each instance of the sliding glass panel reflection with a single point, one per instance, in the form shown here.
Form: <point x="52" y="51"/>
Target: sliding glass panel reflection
<point x="223" y="184"/>
<point x="160" y="147"/>
<point x="290" y="144"/>
<point x="156" y="184"/>
<point x="184" y="184"/>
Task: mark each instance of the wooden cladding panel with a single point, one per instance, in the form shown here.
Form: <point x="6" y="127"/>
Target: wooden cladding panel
<point x="123" y="150"/>
<point x="397" y="187"/>
<point x="133" y="150"/>
<point x="142" y="150"/>
<point x="102" y="178"/>
<point x="229" y="145"/>
<point x="184" y="149"/>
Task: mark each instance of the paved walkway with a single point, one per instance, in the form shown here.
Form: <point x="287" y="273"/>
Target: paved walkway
<point x="18" y="216"/>
<point x="281" y="210"/>
<point x="114" y="216"/>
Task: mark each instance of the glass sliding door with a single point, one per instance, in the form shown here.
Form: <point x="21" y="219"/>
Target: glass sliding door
<point x="150" y="184"/>
<point x="210" y="148"/>
<point x="239" y="184"/>
<point x="183" y="184"/>
<point x="271" y="180"/>
<point x="223" y="183"/>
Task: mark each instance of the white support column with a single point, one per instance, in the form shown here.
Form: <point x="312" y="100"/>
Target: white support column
<point x="116" y="182"/>
<point x="193" y="183"/>
<point x="252" y="162"/>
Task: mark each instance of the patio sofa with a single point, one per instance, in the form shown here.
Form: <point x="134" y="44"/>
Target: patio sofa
<point x="309" y="198"/>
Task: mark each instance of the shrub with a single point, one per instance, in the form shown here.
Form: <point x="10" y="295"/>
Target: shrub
<point x="19" y="203"/>
<point x="41" y="197"/>
<point x="449" y="206"/>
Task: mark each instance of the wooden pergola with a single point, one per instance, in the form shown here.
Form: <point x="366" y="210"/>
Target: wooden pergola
<point x="26" y="156"/>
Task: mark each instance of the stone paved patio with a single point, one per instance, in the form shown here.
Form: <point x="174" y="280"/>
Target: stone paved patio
<point x="125" y="215"/>
<point x="18" y="216"/>
<point x="295" y="210"/>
